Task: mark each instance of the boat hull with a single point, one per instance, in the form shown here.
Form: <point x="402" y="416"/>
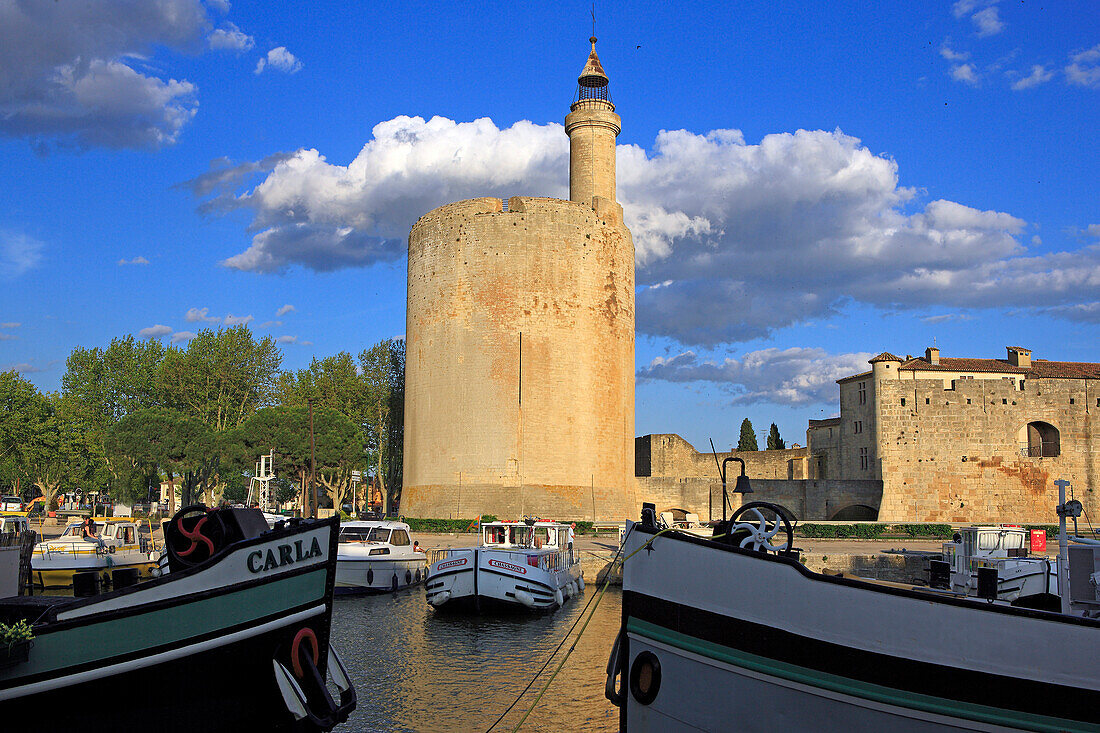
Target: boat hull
<point x="363" y="575"/>
<point x="757" y="643"/>
<point x="199" y="648"/>
<point x="481" y="579"/>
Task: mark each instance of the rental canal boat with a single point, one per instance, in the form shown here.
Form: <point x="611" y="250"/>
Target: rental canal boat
<point x="234" y="638"/>
<point x="377" y="557"/>
<point x="118" y="546"/>
<point x="733" y="632"/>
<point x="527" y="565"/>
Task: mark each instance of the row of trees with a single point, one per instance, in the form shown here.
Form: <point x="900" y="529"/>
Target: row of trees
<point x="137" y="412"/>
<point x="747" y="440"/>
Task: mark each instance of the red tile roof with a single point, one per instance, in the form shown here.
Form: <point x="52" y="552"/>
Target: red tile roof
<point x="885" y="356"/>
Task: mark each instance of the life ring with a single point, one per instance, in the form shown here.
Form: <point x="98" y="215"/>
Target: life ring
<point x="304" y="634"/>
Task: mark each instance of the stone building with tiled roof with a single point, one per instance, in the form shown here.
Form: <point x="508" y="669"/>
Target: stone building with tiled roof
<point x="967" y="439"/>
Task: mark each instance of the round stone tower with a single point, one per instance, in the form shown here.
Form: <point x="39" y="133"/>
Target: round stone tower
<point x="519" y="380"/>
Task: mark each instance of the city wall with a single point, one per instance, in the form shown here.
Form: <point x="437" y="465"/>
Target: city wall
<point x="956" y="451"/>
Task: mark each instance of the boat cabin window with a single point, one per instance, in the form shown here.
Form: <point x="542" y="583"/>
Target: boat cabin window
<point x="542" y="536"/>
<point x="400" y="538"/>
<point x="353" y="535"/>
<point x="128" y="535"/>
<point x="519" y="536"/>
<point x="494" y="535"/>
<point x="379" y="534"/>
<point x="73" y="530"/>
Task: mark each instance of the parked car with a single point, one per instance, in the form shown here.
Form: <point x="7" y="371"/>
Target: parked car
<point x="11" y="504"/>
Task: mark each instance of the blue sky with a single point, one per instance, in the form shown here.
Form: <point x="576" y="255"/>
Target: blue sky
<point x="807" y="185"/>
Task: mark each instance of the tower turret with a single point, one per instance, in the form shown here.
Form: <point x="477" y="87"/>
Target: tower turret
<point x="592" y="127"/>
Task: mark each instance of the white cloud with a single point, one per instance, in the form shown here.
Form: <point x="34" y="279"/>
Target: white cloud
<point x="7" y="337"/>
<point x="286" y="340"/>
<point x="1084" y="68"/>
<point x="965" y="73"/>
<point x="135" y="261"/>
<point x="24" y="368"/>
<point x="733" y="240"/>
<point x="18" y="253"/>
<point x="1039" y="75"/>
<point x="279" y="59"/>
<point x="230" y="38"/>
<point x="1093" y="230"/>
<point x="964" y="7"/>
<point x="199" y="315"/>
<point x="232" y="320"/>
<point x="69" y="76"/>
<point x="271" y="324"/>
<point x="180" y="336"/>
<point x="220" y="5"/>
<point x="952" y="55"/>
<point x="288" y="308"/>
<point x="155" y="331"/>
<point x="11" y="324"/>
<point x="988" y="21"/>
<point x="794" y="376"/>
<point x="945" y="318"/>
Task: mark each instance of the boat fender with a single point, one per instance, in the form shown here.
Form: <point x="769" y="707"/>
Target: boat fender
<point x="558" y="598"/>
<point x="580" y="583"/>
<point x="440" y="598"/>
<point x="527" y="599"/>
<point x="111" y="549"/>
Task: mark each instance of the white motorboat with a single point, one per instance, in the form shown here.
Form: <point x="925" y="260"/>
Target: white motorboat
<point x="518" y="565"/>
<point x="377" y="557"/>
<point x="119" y="546"/>
<point x="1022" y="578"/>
<point x="733" y="631"/>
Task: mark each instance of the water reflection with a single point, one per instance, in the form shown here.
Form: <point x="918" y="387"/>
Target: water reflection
<point x="419" y="670"/>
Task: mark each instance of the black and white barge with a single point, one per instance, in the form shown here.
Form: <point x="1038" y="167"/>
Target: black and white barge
<point x="235" y="637"/>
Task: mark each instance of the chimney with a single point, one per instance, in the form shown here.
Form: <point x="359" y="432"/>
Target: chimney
<point x="1019" y="356"/>
<point x="932" y="354"/>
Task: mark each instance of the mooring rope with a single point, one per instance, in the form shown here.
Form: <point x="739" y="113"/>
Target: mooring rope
<point x="594" y="602"/>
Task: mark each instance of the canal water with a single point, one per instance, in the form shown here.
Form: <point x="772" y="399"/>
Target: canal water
<point x="418" y="670"/>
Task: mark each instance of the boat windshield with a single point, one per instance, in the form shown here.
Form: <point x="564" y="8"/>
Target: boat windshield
<point x="354" y="535"/>
<point x="1001" y="540"/>
<point x="379" y="534"/>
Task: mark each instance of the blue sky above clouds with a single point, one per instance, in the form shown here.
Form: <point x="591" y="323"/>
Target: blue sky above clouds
<point x="807" y="186"/>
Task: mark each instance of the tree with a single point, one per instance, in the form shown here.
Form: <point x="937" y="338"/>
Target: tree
<point x="774" y="441"/>
<point x="223" y="377"/>
<point x="383" y="370"/>
<point x="747" y="441"/>
<point x="339" y="444"/>
<point x="167" y="440"/>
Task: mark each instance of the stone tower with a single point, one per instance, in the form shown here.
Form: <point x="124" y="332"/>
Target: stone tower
<point x="519" y="381"/>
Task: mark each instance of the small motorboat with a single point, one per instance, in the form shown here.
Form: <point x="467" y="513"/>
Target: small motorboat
<point x="1023" y="579"/>
<point x="377" y="557"/>
<point x="526" y="565"/>
<point x="234" y="638"/>
<point x="119" y="546"/>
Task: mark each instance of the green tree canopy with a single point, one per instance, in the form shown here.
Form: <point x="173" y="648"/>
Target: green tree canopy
<point x="774" y="441"/>
<point x="222" y="377"/>
<point x="383" y="370"/>
<point x="747" y="441"/>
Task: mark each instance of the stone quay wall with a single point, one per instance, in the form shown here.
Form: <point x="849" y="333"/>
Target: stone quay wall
<point x="670" y="455"/>
<point x="520" y="361"/>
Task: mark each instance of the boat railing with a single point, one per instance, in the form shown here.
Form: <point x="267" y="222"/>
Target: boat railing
<point x="435" y="556"/>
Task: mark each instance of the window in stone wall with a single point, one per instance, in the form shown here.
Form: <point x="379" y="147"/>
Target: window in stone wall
<point x="903" y="402"/>
<point x="863" y="393"/>
<point x="864" y="461"/>
<point x="927" y="400"/>
<point x="1071" y="400"/>
<point x="857" y="426"/>
<point x="1043" y="440"/>
<point x="968" y="400"/>
<point x="1004" y="401"/>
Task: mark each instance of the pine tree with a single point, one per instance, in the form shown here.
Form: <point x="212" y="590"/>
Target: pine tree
<point x="747" y="441"/>
<point x="774" y="441"/>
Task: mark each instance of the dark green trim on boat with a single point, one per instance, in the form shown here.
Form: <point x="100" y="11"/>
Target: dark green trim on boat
<point x="855" y="688"/>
